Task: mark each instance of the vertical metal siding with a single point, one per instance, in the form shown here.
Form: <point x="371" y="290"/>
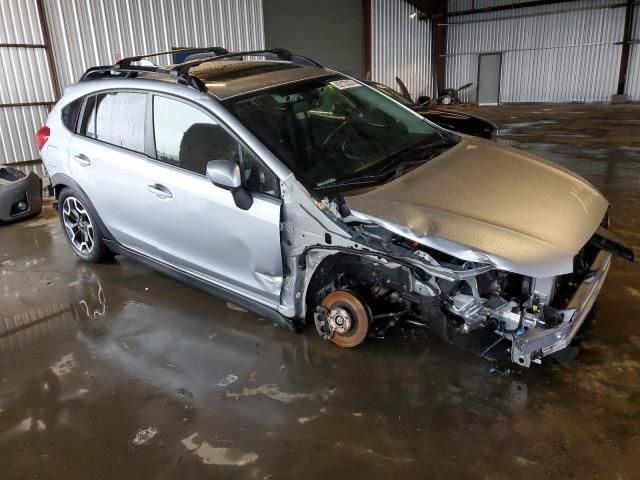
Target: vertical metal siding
<point x="92" y="32"/>
<point x="24" y="78"/>
<point x="17" y="135"/>
<point x="18" y="24"/>
<point x="459" y="5"/>
<point x="633" y="69"/>
<point x="550" y="54"/>
<point x="400" y="46"/>
<point x="85" y="33"/>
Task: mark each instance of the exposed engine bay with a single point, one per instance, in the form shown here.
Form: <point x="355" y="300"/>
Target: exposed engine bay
<point x="384" y="279"/>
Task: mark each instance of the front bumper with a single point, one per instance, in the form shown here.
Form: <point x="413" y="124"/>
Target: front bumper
<point x="27" y="189"/>
<point x="537" y="342"/>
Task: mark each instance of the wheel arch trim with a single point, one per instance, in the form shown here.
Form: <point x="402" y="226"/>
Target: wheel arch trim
<point x="59" y="181"/>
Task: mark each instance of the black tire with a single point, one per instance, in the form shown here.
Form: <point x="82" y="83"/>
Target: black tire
<point x="87" y="231"/>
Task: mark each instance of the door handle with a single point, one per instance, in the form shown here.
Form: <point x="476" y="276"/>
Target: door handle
<point x="160" y="191"/>
<point x="82" y="159"/>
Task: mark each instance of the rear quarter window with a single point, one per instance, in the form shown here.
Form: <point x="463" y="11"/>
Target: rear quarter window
<point x="69" y="115"/>
<point x="117" y="118"/>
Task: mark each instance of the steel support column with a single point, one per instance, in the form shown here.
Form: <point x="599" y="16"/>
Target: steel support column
<point x="46" y="36"/>
<point x="366" y="44"/>
<point x="626" y="46"/>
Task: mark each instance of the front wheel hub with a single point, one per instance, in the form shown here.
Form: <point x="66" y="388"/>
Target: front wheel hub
<point x="347" y="318"/>
<point x="339" y="320"/>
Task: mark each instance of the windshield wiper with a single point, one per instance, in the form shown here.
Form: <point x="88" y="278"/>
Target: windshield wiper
<point x="352" y="182"/>
<point x="405" y="159"/>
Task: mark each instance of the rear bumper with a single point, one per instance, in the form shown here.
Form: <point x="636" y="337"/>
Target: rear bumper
<point x="28" y="188"/>
<point x="543" y="342"/>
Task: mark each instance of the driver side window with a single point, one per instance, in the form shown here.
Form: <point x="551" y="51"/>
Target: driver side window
<point x="188" y="138"/>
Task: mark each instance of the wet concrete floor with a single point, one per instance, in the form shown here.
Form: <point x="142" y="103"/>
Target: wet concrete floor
<point x="115" y="371"/>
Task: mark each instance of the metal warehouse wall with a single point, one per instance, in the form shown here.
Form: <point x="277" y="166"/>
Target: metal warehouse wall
<point x="552" y="53"/>
<point x="633" y="69"/>
<point x="94" y="32"/>
<point x="400" y="46"/>
<point x="26" y="90"/>
<point x="86" y="33"/>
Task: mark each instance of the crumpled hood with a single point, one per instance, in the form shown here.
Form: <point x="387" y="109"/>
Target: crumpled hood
<point x="482" y="201"/>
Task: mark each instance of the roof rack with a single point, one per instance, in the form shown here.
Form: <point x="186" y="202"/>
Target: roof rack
<point x="179" y="71"/>
<point x="183" y="68"/>
<point x="134" y="70"/>
<point x="126" y="62"/>
<point x="124" y="67"/>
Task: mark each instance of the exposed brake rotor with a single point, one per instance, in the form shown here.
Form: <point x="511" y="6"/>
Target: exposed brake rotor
<point x="343" y="318"/>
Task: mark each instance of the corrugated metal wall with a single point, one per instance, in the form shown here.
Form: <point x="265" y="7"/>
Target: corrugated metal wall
<point x="85" y="33"/>
<point x="551" y="53"/>
<point x="633" y="69"/>
<point x="24" y="79"/>
<point x="400" y="46"/>
<point x="458" y="5"/>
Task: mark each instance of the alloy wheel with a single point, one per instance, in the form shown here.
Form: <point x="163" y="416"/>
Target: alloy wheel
<point x="78" y="225"/>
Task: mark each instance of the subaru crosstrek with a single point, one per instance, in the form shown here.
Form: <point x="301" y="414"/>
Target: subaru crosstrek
<point x="307" y="196"/>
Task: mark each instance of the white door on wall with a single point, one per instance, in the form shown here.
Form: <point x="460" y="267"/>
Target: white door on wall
<point x="489" y="78"/>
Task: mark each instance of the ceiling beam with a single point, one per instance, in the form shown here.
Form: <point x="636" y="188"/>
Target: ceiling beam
<point x="438" y="9"/>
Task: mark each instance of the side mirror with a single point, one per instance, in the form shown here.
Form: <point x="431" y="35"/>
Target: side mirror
<point x="226" y="174"/>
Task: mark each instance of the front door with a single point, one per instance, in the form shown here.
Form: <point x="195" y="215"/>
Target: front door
<point x="489" y="79"/>
<point x="199" y="227"/>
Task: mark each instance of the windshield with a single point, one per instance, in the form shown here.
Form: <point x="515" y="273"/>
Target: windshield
<point x="390" y="92"/>
<point x="332" y="130"/>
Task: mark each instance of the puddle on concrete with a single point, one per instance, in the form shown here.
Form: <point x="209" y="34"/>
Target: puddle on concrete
<point x="144" y="436"/>
<point x="274" y="393"/>
<point x="217" y="455"/>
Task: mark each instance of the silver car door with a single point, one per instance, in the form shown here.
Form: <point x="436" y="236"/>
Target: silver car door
<point x="106" y="158"/>
<point x="198" y="225"/>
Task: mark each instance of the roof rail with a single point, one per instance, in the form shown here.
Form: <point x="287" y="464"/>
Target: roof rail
<point x="183" y="68"/>
<point x="133" y="71"/>
<point x="115" y="70"/>
<point x="126" y="62"/>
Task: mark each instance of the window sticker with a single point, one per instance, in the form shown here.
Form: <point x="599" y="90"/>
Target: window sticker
<point x="344" y="84"/>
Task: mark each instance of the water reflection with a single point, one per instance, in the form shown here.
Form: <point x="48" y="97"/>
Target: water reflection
<point x="34" y="327"/>
<point x="186" y="343"/>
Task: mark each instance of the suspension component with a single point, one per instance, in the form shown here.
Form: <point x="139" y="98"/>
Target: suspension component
<point x="344" y="318"/>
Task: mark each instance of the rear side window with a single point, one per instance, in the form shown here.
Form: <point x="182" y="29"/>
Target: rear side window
<point x="116" y="118"/>
<point x="70" y="113"/>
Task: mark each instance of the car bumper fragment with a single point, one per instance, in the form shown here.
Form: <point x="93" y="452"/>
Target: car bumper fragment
<point x="27" y="189"/>
<point x="548" y="341"/>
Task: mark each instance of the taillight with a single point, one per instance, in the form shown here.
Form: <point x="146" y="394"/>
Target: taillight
<point x="42" y="135"/>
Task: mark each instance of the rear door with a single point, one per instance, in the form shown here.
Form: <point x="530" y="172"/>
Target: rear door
<point x="107" y="160"/>
<point x="198" y="227"/>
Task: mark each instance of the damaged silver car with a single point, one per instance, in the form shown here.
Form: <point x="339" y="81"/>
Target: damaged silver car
<point x="308" y="197"/>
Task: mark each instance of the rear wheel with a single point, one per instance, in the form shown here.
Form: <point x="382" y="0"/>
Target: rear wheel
<point x="80" y="227"/>
<point x="347" y="318"/>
